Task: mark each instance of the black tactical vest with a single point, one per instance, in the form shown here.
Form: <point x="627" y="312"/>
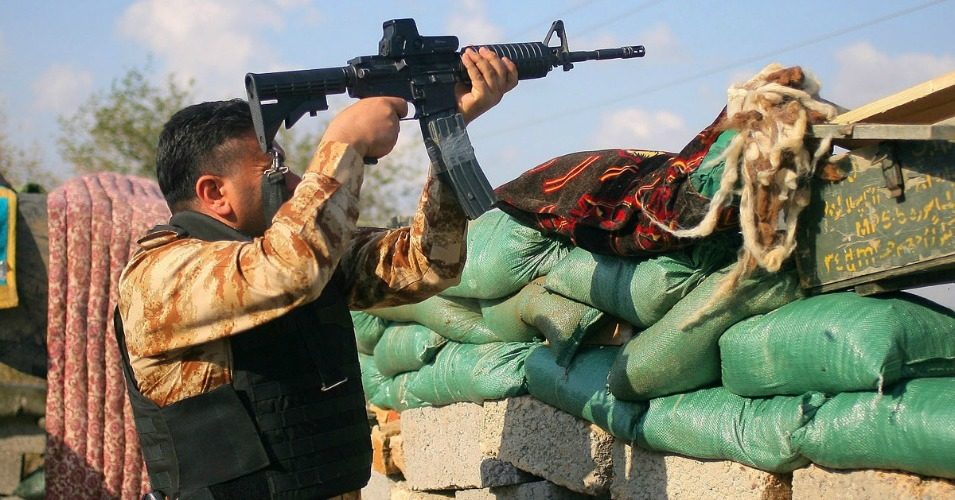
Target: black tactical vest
<point x="292" y="424"/>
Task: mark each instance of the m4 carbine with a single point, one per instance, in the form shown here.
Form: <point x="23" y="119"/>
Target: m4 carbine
<point x="422" y="70"/>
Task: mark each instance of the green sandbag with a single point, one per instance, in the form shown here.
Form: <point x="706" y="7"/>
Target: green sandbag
<point x="562" y="321"/>
<point x="581" y="389"/>
<point x="473" y="372"/>
<point x="371" y="378"/>
<point x="503" y="316"/>
<point x="406" y="347"/>
<point x="717" y="424"/>
<point x="454" y="318"/>
<point x="503" y="256"/>
<point x="671" y="357"/>
<point x="394" y="394"/>
<point x="368" y="330"/>
<point x="911" y="427"/>
<point x="639" y="291"/>
<point x="838" y="342"/>
<point x="706" y="179"/>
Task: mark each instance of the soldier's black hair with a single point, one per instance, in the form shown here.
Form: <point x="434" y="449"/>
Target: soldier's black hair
<point x="189" y="146"/>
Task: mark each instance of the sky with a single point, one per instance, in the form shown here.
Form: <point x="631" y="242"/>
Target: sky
<point x="55" y="54"/>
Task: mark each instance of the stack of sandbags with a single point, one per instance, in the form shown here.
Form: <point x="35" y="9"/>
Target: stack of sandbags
<point x="886" y="362"/>
<point x="517" y="289"/>
<point x="714" y="423"/>
<point x="470" y="342"/>
<point x="839" y="380"/>
<point x="760" y="376"/>
<point x="638" y="291"/>
<point x="680" y="352"/>
<point x="654" y="390"/>
<point x="910" y="427"/>
<point x="92" y="446"/>
<point x="503" y="256"/>
<point x="839" y="342"/>
<point x="581" y="388"/>
<point x="504" y="306"/>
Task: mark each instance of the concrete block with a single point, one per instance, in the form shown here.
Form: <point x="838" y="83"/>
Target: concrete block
<point x="641" y="474"/>
<point x="539" y="490"/>
<point x="378" y="487"/>
<point x="382" y="487"/>
<point x="819" y="482"/>
<point x="11" y="466"/>
<point x="21" y="437"/>
<point x="397" y="452"/>
<point x="401" y="491"/>
<point x="556" y="446"/>
<point x="456" y="447"/>
<point x="21" y="393"/>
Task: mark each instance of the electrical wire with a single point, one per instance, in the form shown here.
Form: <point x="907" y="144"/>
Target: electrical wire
<point x="712" y="71"/>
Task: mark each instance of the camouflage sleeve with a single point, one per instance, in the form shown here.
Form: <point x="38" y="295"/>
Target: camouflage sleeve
<point x="180" y="293"/>
<point x="410" y="264"/>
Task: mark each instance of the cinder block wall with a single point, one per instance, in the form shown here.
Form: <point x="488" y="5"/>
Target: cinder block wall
<point x="523" y="449"/>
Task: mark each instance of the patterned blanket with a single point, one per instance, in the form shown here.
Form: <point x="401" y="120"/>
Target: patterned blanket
<point x="606" y="201"/>
<point x="92" y="446"/>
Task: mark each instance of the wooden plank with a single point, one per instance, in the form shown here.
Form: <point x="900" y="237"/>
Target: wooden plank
<point x="926" y="103"/>
<point x="933" y="276"/>
<point x="878" y="131"/>
<point x="382" y="460"/>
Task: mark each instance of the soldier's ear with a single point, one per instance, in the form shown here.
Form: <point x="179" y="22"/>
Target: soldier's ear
<point x="210" y="194"/>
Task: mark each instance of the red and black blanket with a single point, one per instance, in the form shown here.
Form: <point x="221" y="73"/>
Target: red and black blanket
<point x="605" y="201"/>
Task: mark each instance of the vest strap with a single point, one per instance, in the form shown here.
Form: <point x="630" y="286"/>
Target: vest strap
<point x="295" y="416"/>
<point x="318" y="442"/>
<point x="330" y="472"/>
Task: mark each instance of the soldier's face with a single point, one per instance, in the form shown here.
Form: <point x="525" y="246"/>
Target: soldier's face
<point x="246" y="178"/>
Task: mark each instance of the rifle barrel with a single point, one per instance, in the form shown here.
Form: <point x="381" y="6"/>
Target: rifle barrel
<point x="535" y="60"/>
<point x="627" y="52"/>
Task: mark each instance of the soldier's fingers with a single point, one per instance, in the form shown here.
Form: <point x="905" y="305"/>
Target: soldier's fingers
<point x="493" y="69"/>
<point x="469" y="60"/>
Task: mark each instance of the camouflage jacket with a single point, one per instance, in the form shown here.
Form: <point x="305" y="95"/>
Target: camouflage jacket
<point x="182" y="298"/>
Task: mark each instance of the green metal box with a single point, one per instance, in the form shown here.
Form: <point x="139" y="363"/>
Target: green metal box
<point x="889" y="224"/>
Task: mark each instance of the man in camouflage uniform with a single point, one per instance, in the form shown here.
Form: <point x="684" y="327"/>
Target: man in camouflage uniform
<point x="240" y="356"/>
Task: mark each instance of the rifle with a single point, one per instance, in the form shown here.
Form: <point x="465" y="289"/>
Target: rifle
<point x="424" y="71"/>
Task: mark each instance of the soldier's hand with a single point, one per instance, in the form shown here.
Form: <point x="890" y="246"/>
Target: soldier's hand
<point x="370" y="125"/>
<point x="491" y="76"/>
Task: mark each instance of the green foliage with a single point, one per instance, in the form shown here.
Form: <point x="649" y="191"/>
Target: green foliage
<point x="118" y="130"/>
<point x="21" y="167"/>
<point x="392" y="186"/>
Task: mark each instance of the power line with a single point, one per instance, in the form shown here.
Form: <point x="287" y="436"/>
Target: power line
<point x="606" y="22"/>
<point x="621" y="16"/>
<point x="531" y="29"/>
<point x="718" y="69"/>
